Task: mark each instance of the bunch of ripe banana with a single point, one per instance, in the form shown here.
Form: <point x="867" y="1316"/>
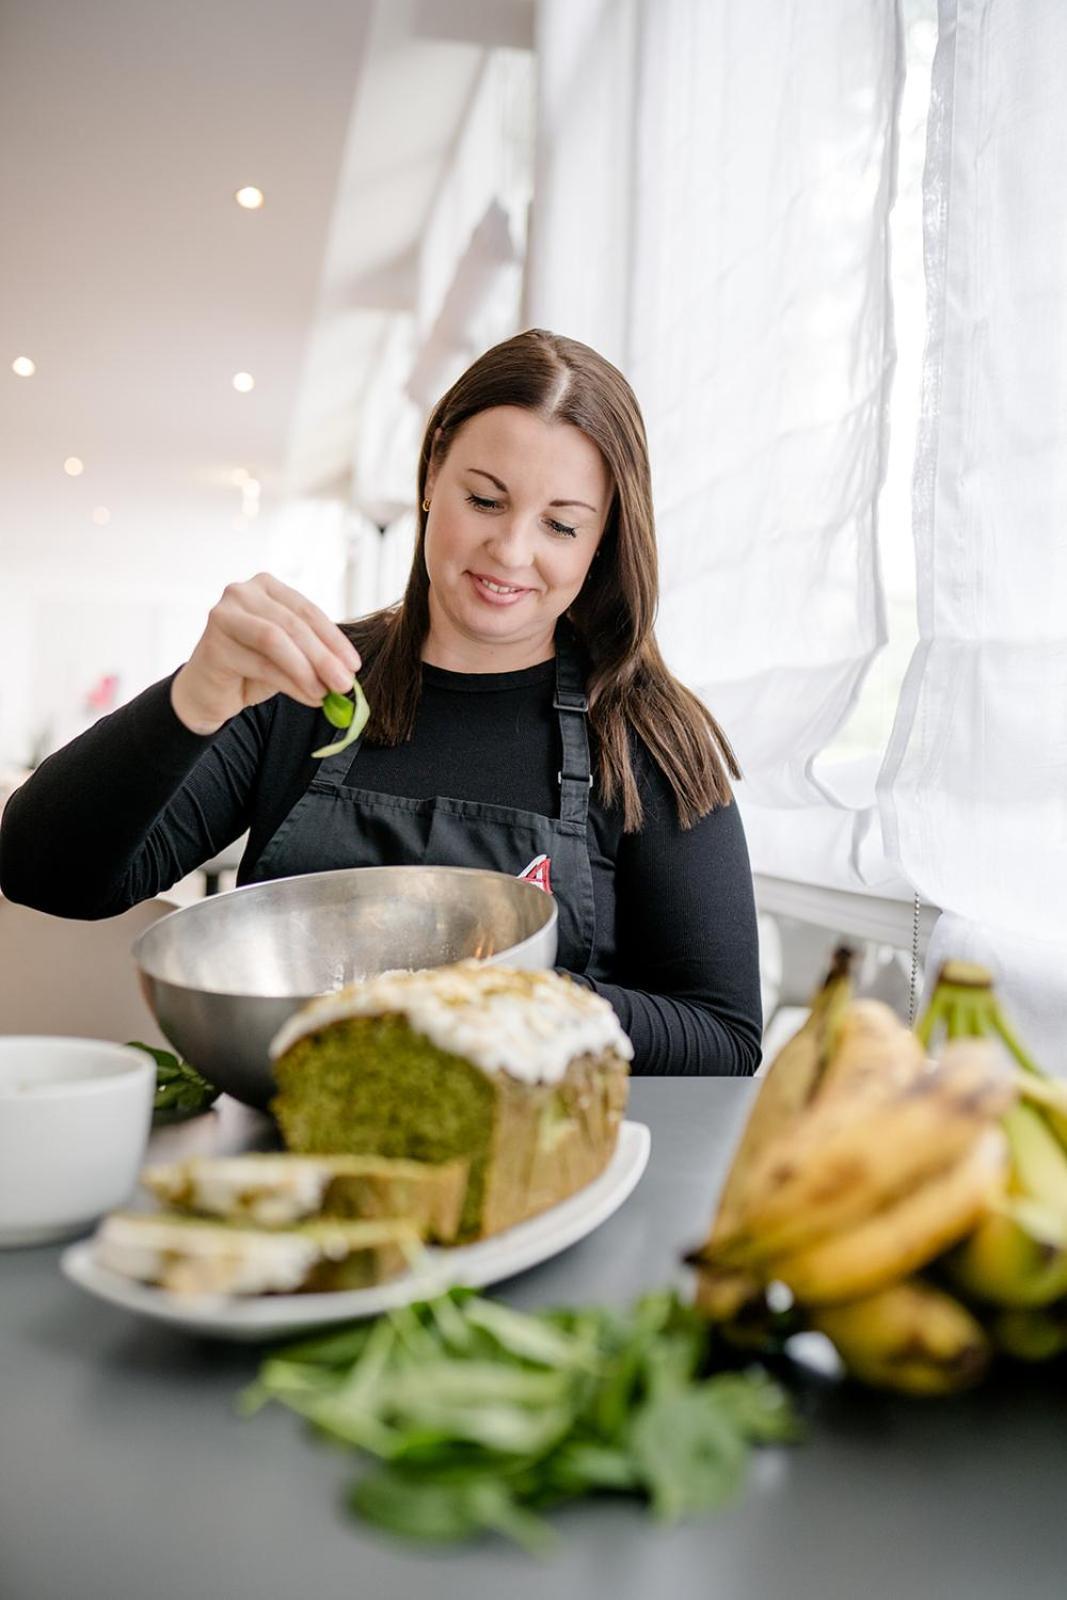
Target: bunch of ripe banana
<point x="866" y="1160"/>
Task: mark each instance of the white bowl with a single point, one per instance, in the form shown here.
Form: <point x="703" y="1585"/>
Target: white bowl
<point x="74" y="1121"/>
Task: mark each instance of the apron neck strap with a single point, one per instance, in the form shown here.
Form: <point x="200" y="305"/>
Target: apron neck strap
<point x="572" y="706"/>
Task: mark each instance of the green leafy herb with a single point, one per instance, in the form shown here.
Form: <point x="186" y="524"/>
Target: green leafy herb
<point x="341" y="712"/>
<point x="483" y="1417"/>
<point x="180" y="1090"/>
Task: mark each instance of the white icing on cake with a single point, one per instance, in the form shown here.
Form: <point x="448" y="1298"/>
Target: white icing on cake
<point x="270" y="1190"/>
<point x="204" y="1258"/>
<point x="190" y="1256"/>
<point x="529" y="1024"/>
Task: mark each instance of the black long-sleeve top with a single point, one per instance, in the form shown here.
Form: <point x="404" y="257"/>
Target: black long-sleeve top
<point x="138" y="801"/>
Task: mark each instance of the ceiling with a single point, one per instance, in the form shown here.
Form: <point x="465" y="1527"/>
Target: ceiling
<point x="139" y="287"/>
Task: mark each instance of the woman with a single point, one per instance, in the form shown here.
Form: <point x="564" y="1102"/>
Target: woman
<point x="522" y="719"/>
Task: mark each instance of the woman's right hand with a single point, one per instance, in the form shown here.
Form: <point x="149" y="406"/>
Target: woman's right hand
<point x="262" y="638"/>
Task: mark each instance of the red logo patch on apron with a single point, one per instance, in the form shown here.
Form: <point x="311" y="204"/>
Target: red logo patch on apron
<point x="537" y="872"/>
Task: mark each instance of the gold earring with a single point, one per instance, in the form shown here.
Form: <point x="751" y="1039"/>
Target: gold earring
<point x="426" y="505"/>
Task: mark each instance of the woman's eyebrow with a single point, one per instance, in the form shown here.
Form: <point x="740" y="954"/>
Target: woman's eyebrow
<point x="504" y="489"/>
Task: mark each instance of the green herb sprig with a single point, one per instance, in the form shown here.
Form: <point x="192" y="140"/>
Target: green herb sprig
<point x="180" y="1090"/>
<point x="482" y="1417"/>
<point x="341" y="712"/>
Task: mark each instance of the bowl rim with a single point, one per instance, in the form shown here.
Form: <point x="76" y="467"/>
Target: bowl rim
<point x="135" y="1066"/>
<point x="198" y="906"/>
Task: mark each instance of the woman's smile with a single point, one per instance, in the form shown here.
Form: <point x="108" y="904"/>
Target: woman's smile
<point x="495" y="592"/>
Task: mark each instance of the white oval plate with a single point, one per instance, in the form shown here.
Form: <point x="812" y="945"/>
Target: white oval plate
<point x="475" y="1265"/>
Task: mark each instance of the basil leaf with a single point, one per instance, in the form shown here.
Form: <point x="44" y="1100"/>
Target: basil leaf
<point x="180" y="1089"/>
<point x="756" y="1405"/>
<point x="528" y="1338"/>
<point x="422" y="1509"/>
<point x="485" y="1415"/>
<point x="689" y="1454"/>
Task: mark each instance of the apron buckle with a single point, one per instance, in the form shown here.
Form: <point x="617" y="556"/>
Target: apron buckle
<point x="571" y="778"/>
<point x="570" y="700"/>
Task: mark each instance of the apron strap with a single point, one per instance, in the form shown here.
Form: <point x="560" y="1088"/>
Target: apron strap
<point x="571" y="705"/>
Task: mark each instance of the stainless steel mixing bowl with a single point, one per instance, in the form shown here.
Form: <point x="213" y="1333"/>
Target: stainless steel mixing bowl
<point x="221" y="976"/>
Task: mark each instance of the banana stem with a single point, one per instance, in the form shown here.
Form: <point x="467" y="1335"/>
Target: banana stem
<point x="1022" y="1056"/>
<point x="934" y="1014"/>
<point x="977" y="1017"/>
<point x="960" y="1019"/>
<point x="968" y="1009"/>
<point x="1043" y="1092"/>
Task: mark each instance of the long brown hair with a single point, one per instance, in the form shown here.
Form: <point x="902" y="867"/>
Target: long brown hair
<point x="629" y="686"/>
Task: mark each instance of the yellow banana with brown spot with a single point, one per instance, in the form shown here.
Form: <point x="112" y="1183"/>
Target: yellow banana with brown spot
<point x="872" y="1044"/>
<point x="786" y="1087"/>
<point x="910" y="1337"/>
<point x="903" y="1236"/>
<point x="853" y="1153"/>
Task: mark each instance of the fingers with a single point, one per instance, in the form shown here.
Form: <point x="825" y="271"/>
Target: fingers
<point x="327" y="667"/>
<point x="261" y="638"/>
<point x="274" y="621"/>
<point x="278" y="643"/>
<point x="326" y="632"/>
<point x="263" y="677"/>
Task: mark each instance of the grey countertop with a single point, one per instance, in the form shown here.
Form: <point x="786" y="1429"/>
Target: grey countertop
<point x="125" y="1473"/>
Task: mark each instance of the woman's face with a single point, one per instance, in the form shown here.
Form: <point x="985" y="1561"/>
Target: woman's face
<point x="517" y="510"/>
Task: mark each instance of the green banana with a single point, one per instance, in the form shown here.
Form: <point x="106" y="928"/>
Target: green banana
<point x="1031" y="1334"/>
<point x="964" y="1004"/>
<point x="1039" y="1161"/>
<point x="1050" y="1096"/>
<point x="1016" y="1256"/>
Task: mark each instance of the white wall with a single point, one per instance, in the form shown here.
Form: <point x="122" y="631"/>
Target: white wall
<point x="66" y="620"/>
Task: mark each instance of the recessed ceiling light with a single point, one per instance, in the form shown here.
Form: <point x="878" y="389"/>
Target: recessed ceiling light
<point x="239" y="477"/>
<point x="73" y="467"/>
<point x="250" y="197"/>
<point x="243" y="382"/>
<point x="23" y="367"/>
<point x="101" y="516"/>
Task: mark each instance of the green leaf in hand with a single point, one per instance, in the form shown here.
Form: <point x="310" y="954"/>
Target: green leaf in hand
<point x="338" y="710"/>
<point x="341" y="712"/>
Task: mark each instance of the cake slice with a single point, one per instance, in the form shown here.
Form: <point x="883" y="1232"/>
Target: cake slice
<point x="524" y="1075"/>
<point x="190" y="1255"/>
<point x="277" y="1190"/>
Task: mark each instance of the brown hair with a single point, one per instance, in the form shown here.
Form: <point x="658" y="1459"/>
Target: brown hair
<point x="629" y="686"/>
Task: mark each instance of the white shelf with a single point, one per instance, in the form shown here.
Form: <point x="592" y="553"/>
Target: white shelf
<point x="854" y="915"/>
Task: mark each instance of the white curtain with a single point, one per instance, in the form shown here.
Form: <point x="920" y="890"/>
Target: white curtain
<point x="582" y="224"/>
<point x="714" y="188"/>
<point x="715" y="185"/>
<point x="974" y="788"/>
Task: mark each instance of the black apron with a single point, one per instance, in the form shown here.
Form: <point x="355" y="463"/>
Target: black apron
<point x="336" y="825"/>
